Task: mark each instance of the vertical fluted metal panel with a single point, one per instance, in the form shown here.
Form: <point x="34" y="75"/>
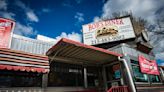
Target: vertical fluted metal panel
<point x="30" y="45"/>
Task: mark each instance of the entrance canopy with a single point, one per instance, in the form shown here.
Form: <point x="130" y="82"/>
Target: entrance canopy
<point x="75" y="52"/>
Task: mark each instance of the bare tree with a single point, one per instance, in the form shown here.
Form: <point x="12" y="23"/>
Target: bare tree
<point x="139" y="26"/>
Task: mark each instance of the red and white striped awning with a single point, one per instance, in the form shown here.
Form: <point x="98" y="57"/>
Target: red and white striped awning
<point x="21" y="61"/>
<point x="23" y="68"/>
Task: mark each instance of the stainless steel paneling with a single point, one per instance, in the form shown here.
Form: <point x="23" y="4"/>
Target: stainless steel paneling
<point x="23" y="58"/>
<point x="21" y="64"/>
<point x="30" y="45"/>
<point x="124" y="48"/>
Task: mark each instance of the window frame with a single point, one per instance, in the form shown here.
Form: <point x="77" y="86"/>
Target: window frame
<point x="60" y="68"/>
<point x="15" y="76"/>
<point x="132" y="58"/>
<point x="147" y="82"/>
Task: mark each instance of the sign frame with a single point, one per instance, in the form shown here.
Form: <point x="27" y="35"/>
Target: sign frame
<point x="108" y="31"/>
<point x="4" y="23"/>
<point x="148" y="66"/>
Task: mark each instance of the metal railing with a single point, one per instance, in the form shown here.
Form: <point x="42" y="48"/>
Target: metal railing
<point x="118" y="89"/>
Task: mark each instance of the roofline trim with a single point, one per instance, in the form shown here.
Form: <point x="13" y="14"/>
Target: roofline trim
<point x="83" y="45"/>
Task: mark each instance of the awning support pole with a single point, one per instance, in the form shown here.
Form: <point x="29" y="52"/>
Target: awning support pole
<point x="104" y="78"/>
<point x="85" y="78"/>
<point x="44" y="80"/>
<point x="162" y="73"/>
<point x="125" y="59"/>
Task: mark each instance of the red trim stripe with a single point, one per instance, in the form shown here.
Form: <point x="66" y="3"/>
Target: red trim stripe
<point x="23" y="54"/>
<point x="24" y="61"/>
<point x="23" y="68"/>
<point x="84" y="46"/>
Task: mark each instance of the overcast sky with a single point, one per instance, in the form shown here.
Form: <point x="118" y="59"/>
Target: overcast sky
<point x="64" y="18"/>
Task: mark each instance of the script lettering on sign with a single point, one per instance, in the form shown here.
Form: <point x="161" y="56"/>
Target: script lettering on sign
<point x="148" y="66"/>
<point x="108" y="31"/>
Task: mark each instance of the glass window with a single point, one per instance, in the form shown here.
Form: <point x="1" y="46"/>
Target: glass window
<point x="154" y="78"/>
<point x="117" y="74"/>
<point x="92" y="76"/>
<point x="20" y="79"/>
<point x="113" y="75"/>
<point x="141" y="77"/>
<point x="134" y="62"/>
<point x="63" y="74"/>
<point x="138" y="76"/>
<point x="113" y="72"/>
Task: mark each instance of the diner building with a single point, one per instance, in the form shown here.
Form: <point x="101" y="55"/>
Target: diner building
<point x="111" y="58"/>
<point x="84" y="67"/>
<point x="23" y="63"/>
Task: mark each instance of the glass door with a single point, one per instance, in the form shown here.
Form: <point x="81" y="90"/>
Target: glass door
<point x="113" y="75"/>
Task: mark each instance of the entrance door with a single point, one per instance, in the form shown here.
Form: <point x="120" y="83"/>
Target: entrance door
<point x="112" y="75"/>
<point x="94" y="78"/>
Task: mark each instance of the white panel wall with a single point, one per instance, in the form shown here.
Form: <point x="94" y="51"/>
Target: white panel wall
<point x="30" y="45"/>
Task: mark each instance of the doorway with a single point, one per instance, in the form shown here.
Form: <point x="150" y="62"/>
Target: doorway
<point x="112" y="75"/>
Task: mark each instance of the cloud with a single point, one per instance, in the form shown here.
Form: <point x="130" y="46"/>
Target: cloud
<point x="79" y="17"/>
<point x="8" y="15"/>
<point x="21" y="5"/>
<point x="21" y="29"/>
<point x="46" y="10"/>
<point x="3" y="10"/>
<point x="151" y="10"/>
<point x="3" y="5"/>
<point x="73" y="36"/>
<point x="160" y="59"/>
<point x="96" y="19"/>
<point x="67" y="3"/>
<point x="158" y="43"/>
<point x="162" y="64"/>
<point x="30" y="14"/>
<point x="140" y="8"/>
<point x="160" y="56"/>
<point x="78" y="1"/>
